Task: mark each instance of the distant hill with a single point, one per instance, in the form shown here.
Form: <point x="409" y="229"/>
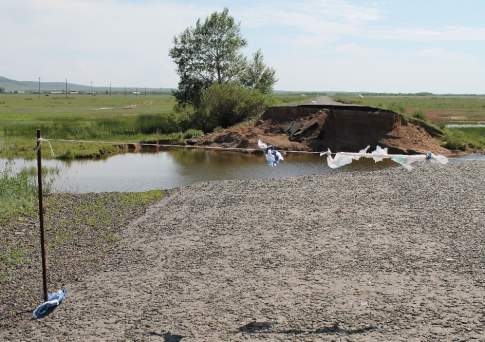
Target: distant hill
<point x="10" y="86"/>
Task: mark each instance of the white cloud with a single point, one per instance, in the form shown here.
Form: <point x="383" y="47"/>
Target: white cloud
<point x="316" y="44"/>
<point x="126" y="43"/>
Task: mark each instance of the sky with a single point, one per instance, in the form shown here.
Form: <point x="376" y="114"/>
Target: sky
<point x="314" y="45"/>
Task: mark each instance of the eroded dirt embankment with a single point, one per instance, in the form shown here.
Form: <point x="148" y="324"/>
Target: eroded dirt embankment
<point x="338" y="127"/>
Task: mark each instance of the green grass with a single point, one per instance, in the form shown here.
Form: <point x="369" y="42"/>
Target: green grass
<point x="91" y="223"/>
<point x="437" y="109"/>
<point x="472" y="138"/>
<point x="283" y="99"/>
<point x="143" y="198"/>
<point x="13" y="257"/>
<point x="18" y="194"/>
<point x="83" y="117"/>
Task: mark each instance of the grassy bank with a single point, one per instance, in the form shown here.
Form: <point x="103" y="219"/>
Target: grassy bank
<point x="113" y="118"/>
<point x="465" y="138"/>
<point x="18" y="193"/>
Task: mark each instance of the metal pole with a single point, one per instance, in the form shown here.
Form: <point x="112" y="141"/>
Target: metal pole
<point x="39" y="86"/>
<point x="41" y="215"/>
<point x="66" y="87"/>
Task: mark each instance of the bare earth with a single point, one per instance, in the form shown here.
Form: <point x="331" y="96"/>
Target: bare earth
<point x="389" y="255"/>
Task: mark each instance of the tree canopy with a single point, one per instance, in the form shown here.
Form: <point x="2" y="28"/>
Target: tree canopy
<point x="210" y="53"/>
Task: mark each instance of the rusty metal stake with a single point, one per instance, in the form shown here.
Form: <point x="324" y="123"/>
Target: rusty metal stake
<point x="41" y="214"/>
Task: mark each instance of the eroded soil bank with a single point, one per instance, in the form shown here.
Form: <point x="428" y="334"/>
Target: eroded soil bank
<point x="387" y="255"/>
<point x="336" y="126"/>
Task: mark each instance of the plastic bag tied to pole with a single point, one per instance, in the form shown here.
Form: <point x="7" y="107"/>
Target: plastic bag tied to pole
<point x="273" y="157"/>
<point x="54" y="299"/>
<point x="344" y="158"/>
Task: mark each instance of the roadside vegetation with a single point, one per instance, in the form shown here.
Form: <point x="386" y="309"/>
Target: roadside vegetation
<point x="19" y="191"/>
<point x="81" y="230"/>
<point x="438" y="111"/>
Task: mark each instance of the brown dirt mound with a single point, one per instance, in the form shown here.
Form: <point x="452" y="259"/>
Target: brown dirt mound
<point x="340" y="128"/>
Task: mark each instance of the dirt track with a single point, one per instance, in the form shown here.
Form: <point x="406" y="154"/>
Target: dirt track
<point x="379" y="256"/>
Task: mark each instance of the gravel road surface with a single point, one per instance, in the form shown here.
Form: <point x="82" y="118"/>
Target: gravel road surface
<point x="387" y="255"/>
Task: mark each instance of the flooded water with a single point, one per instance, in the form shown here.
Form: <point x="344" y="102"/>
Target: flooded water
<point x="174" y="168"/>
<point x="468" y="125"/>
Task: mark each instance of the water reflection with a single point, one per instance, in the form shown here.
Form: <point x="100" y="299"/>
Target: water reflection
<point x="178" y="167"/>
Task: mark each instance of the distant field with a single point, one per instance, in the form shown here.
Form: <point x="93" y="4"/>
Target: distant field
<point x="135" y="118"/>
<point x="116" y="118"/>
<point x="19" y="112"/>
<point x="437" y="109"/>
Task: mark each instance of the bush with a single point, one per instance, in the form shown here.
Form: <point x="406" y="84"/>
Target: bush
<point x="227" y="104"/>
<point x="420" y="115"/>
<point x="192" y="133"/>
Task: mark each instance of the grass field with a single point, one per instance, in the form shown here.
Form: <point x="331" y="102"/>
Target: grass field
<point x="114" y="118"/>
<point x="438" y="110"/>
<point x="117" y="118"/>
<point x="135" y="118"/>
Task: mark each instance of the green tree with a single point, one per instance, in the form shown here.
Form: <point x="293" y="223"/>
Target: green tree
<point x="210" y="53"/>
<point x="2" y="90"/>
<point x="259" y="76"/>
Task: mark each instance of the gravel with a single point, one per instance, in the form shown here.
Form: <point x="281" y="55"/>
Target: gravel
<point x="388" y="255"/>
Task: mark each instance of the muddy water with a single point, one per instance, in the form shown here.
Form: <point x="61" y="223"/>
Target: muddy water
<point x="174" y="168"/>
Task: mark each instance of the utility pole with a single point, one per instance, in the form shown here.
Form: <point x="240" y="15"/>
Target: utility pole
<point x="145" y="91"/>
<point x="66" y="87"/>
<point x="109" y="88"/>
<point x="39" y="86"/>
<point x="91" y="82"/>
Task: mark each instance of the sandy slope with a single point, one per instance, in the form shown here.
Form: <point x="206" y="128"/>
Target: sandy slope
<point x="378" y="256"/>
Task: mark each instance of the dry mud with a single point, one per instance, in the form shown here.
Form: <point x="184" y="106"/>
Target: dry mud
<point x="389" y="255"/>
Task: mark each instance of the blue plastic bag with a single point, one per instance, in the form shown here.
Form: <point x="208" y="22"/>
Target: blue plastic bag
<point x="53" y="301"/>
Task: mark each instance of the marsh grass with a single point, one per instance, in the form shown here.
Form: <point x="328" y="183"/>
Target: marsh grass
<point x="112" y="118"/>
<point x="464" y="138"/>
<point x="439" y="109"/>
<point x="18" y="190"/>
